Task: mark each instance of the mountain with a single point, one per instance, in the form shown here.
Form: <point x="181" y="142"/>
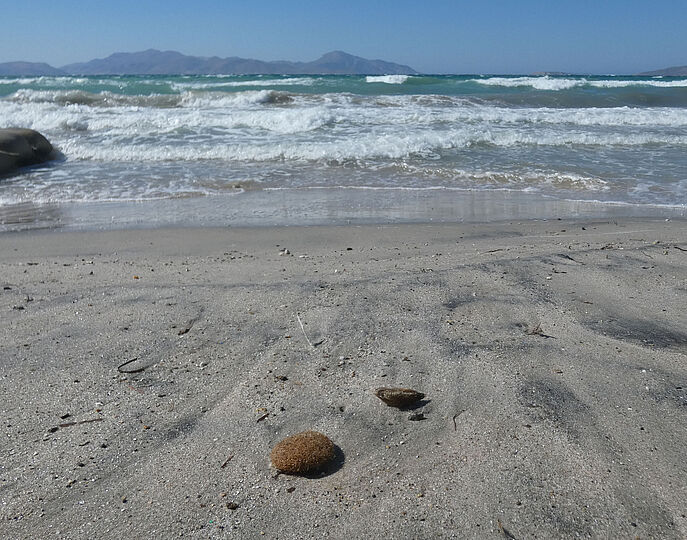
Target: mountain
<point x="677" y="71"/>
<point x="30" y="69"/>
<point x="341" y="63"/>
<point x="154" y="62"/>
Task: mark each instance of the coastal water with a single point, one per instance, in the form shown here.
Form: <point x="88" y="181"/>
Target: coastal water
<point x="615" y="140"/>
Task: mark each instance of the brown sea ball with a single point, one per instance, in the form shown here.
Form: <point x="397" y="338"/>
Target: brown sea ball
<point x="302" y="453"/>
<point x="399" y="397"/>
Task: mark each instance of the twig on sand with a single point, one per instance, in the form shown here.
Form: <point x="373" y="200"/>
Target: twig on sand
<point x="303" y="330"/>
<point x="534" y="331"/>
<point x="455" y="426"/>
<point x="70" y="424"/>
<point x="537" y="331"/>
<point x="570" y="258"/>
<point x="226" y="462"/>
<point x="505" y="531"/>
<point x="120" y="366"/>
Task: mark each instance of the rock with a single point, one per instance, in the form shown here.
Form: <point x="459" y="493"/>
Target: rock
<point x="21" y="147"/>
<point x="399" y="397"/>
<point x="304" y="452"/>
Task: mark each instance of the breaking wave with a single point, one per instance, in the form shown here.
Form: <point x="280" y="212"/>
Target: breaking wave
<point x="156" y="136"/>
<point x="387" y="79"/>
<point x="558" y="83"/>
<point x="111" y="99"/>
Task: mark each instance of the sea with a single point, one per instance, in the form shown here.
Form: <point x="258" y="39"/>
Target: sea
<point x="272" y="149"/>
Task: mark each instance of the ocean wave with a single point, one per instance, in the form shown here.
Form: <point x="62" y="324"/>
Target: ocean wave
<point x="557" y="83"/>
<point x="593" y="116"/>
<point x="538" y="83"/>
<point x="47" y="80"/>
<point x="97" y="186"/>
<point x="526" y="179"/>
<point x="293" y="81"/>
<point x="622" y="84"/>
<point x="387" y="79"/>
<point x="93" y="99"/>
<point x="195" y="118"/>
<point x="365" y="146"/>
<point x="185" y="99"/>
<point x="237" y="99"/>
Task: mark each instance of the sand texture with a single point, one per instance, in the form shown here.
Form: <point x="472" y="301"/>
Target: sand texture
<point x="145" y="377"/>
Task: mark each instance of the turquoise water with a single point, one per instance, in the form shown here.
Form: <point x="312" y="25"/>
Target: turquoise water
<point x="136" y="138"/>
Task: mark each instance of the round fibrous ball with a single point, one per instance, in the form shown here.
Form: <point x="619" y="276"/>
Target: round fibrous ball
<point x="399" y="397"/>
<point x="302" y="453"/>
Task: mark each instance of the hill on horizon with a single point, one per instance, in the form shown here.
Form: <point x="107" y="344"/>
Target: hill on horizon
<point x="675" y="71"/>
<point x="29" y="69"/>
<point x="155" y="62"/>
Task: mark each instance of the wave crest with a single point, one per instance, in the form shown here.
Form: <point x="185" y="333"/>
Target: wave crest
<point x="387" y="79"/>
<point x="558" y="83"/>
<point x="156" y="101"/>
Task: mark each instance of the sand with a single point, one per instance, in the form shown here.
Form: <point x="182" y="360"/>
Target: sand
<point x="147" y="374"/>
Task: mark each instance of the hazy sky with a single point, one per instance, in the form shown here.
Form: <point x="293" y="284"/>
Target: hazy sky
<point x="476" y="36"/>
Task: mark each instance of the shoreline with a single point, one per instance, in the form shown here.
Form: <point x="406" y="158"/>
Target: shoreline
<point x="317" y="207"/>
<point x="551" y="353"/>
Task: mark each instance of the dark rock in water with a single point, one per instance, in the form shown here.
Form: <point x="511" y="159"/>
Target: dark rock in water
<point x="21" y="147"/>
<point x="399" y="397"/>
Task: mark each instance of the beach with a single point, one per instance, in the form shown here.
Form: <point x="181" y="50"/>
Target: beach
<point x="147" y="374"/>
<point x="212" y="264"/>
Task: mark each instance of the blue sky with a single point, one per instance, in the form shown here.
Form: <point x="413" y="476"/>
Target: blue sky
<point x="487" y="36"/>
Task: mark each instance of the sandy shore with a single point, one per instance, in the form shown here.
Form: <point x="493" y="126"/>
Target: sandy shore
<point x="553" y="356"/>
<point x="319" y="207"/>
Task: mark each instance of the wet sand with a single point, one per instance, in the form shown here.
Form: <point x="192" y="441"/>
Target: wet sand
<point x="319" y="207"/>
<point x="146" y="375"/>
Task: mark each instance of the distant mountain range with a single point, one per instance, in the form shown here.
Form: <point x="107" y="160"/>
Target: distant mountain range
<point x="677" y="71"/>
<point x="154" y="62"/>
<point x="29" y="69"/>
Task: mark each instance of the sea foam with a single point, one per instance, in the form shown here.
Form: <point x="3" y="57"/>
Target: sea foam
<point x="134" y="138"/>
<point x="557" y="83"/>
<point x="387" y="79"/>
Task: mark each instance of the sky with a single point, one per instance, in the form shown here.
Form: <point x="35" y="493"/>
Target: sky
<point x="477" y="36"/>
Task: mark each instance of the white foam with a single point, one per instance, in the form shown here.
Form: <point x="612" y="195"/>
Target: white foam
<point x="216" y="107"/>
<point x="48" y="81"/>
<point x="126" y="147"/>
<point x="387" y="79"/>
<point x="557" y="83"/>
<point x="527" y="180"/>
<point x="538" y="83"/>
<point x="294" y="81"/>
<point x="238" y="99"/>
<point x="608" y="116"/>
<point x="249" y="118"/>
<point x="654" y="83"/>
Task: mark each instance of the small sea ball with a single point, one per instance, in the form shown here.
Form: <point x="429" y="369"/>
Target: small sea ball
<point x="302" y="453"/>
<point x="399" y="397"/>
